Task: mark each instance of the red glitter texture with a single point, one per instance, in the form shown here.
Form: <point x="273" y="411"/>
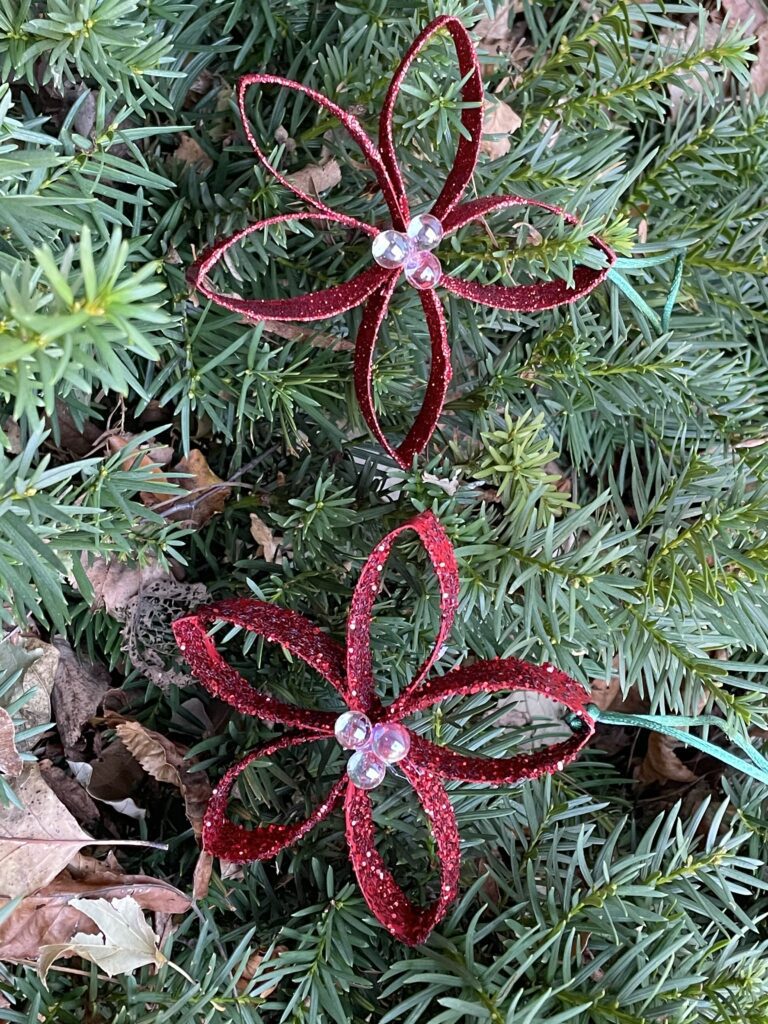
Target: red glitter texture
<point x="375" y="285"/>
<point x="350" y="672"/>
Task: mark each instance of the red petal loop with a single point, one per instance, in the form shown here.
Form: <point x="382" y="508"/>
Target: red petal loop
<point x="359" y="663"/>
<point x="383" y="895"/>
<point x="439" y="372"/>
<point x="530" y="297"/>
<point x="490" y="677"/>
<point x="276" y="625"/>
<point x="223" y="838"/>
<point x="352" y="125"/>
<point x="471" y="117"/>
<point x="314" y="306"/>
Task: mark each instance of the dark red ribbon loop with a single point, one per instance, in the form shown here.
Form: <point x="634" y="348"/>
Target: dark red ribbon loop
<point x="426" y="763"/>
<point x="377" y="285"/>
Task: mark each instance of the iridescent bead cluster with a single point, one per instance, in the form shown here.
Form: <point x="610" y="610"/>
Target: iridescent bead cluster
<point x="411" y="251"/>
<point x="375" y="747"/>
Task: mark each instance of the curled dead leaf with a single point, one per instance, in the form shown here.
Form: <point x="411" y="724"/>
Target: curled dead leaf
<point x="164" y="760"/>
<point x="206" y="493"/>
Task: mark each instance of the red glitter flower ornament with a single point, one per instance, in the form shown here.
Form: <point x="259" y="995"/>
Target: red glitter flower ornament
<point x="375" y="733"/>
<point x="408" y="246"/>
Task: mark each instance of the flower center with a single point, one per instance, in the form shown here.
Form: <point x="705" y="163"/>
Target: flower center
<point x="411" y="251"/>
<point x="374" y="746"/>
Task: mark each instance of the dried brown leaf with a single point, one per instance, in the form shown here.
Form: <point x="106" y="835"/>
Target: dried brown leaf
<point x="499" y="122"/>
<point x="254" y="962"/>
<point x="495" y="33"/>
<point x="164" y="760"/>
<point x="661" y="763"/>
<point x="79" y="688"/>
<point x="207" y="493"/>
<point x="116" y="583"/>
<point x="70" y="792"/>
<point x="316" y="178"/>
<point x="48" y="917"/>
<point x="141" y="458"/>
<point x="201" y="879"/>
<point x="10" y="761"/>
<point x="189" y="151"/>
<point x="264" y="537"/>
<point x="111" y="778"/>
<point x="39" y="662"/>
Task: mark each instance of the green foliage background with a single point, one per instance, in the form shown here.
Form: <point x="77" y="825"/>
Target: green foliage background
<point x="577" y="903"/>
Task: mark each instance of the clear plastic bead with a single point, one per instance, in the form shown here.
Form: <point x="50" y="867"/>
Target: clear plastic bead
<point x="423" y="270"/>
<point x="352" y="730"/>
<point x="391" y="249"/>
<point x="390" y="741"/>
<point x="425" y="231"/>
<point x="365" y="769"/>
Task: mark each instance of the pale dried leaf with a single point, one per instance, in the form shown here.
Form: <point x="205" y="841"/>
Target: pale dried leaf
<point x="47" y="917"/>
<point x="753" y="13"/>
<point x="126" y="941"/>
<point x="38" y="840"/>
<point x="661" y="763"/>
<point x="115" y="583"/>
<point x="499" y="122"/>
<point x="10" y="761"/>
<point x="316" y="178"/>
<point x="262" y="534"/>
<point x="39" y="661"/>
<point x="495" y="33"/>
<point x="448" y="484"/>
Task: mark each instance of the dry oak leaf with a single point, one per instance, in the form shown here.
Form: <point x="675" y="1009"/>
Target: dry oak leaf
<point x="316" y="178"/>
<point x="49" y="917"/>
<point x="499" y="122"/>
<point x="125" y="942"/>
<point x="10" y="759"/>
<point x="38" y="840"/>
<point x="164" y="760"/>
